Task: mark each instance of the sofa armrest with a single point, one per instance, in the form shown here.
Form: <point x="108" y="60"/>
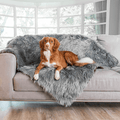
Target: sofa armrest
<point x="7" y="72"/>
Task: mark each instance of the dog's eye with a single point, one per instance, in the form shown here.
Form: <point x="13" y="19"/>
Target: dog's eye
<point x="51" y="41"/>
<point x="45" y="40"/>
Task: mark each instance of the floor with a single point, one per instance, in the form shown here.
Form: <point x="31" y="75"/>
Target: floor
<point x="53" y="111"/>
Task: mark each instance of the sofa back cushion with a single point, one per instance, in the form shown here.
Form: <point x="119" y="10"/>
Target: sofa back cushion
<point x="27" y="50"/>
<point x="112" y="44"/>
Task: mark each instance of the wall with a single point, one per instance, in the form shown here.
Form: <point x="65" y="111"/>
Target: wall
<point x="114" y="17"/>
<point x="119" y="17"/>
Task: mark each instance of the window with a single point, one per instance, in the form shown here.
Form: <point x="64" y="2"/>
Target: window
<point x="6" y="25"/>
<point x="95" y="18"/>
<point x="47" y="21"/>
<point x="87" y="19"/>
<point x="70" y="19"/>
<point x="25" y="21"/>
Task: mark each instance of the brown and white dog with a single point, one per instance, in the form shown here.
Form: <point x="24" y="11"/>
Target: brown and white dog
<point x="52" y="57"/>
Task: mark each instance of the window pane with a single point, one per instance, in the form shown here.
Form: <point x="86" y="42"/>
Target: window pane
<point x="95" y="18"/>
<point x="47" y="22"/>
<point x="47" y="31"/>
<point x="70" y="21"/>
<point x="89" y="8"/>
<point x="50" y="12"/>
<point x="95" y="7"/>
<point x="25" y="31"/>
<point x="6" y="21"/>
<point x="3" y="42"/>
<point x="6" y="32"/>
<point x="26" y="22"/>
<point x="71" y="10"/>
<point x="95" y="29"/>
<point x="73" y="30"/>
<point x="6" y="10"/>
<point x="25" y="12"/>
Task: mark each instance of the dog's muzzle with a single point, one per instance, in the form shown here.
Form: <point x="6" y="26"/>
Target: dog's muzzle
<point x="47" y="45"/>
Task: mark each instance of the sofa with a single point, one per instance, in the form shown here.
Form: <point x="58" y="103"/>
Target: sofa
<point x="103" y="87"/>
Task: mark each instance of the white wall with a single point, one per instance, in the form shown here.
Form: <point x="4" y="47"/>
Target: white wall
<point x="114" y="18"/>
<point x="119" y="17"/>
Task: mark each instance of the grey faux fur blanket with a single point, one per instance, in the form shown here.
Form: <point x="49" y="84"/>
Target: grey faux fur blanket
<point x="73" y="79"/>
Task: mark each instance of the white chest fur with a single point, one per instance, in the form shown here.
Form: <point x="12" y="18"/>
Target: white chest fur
<point x="47" y="55"/>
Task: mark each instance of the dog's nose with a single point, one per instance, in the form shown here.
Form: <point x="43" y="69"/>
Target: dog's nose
<point x="47" y="45"/>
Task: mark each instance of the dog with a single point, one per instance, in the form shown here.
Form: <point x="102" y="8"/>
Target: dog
<point x="52" y="57"/>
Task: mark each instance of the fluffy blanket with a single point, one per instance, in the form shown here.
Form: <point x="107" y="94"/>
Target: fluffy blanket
<point x="73" y="79"/>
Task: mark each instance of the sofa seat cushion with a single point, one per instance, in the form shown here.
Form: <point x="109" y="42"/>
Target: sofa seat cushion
<point x="103" y="80"/>
<point x="22" y="82"/>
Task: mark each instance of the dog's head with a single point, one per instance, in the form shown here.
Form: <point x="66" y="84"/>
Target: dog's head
<point x="49" y="43"/>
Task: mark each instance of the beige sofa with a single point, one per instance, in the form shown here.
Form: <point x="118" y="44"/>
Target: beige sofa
<point x="103" y="87"/>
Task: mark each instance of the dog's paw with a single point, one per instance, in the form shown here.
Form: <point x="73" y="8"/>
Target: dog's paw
<point x="36" y="76"/>
<point x="57" y="75"/>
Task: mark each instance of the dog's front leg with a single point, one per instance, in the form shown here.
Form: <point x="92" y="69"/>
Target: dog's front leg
<point x="36" y="74"/>
<point x="57" y="72"/>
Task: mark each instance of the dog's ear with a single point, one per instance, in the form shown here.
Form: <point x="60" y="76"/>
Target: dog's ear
<point x="56" y="44"/>
<point x="41" y="43"/>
